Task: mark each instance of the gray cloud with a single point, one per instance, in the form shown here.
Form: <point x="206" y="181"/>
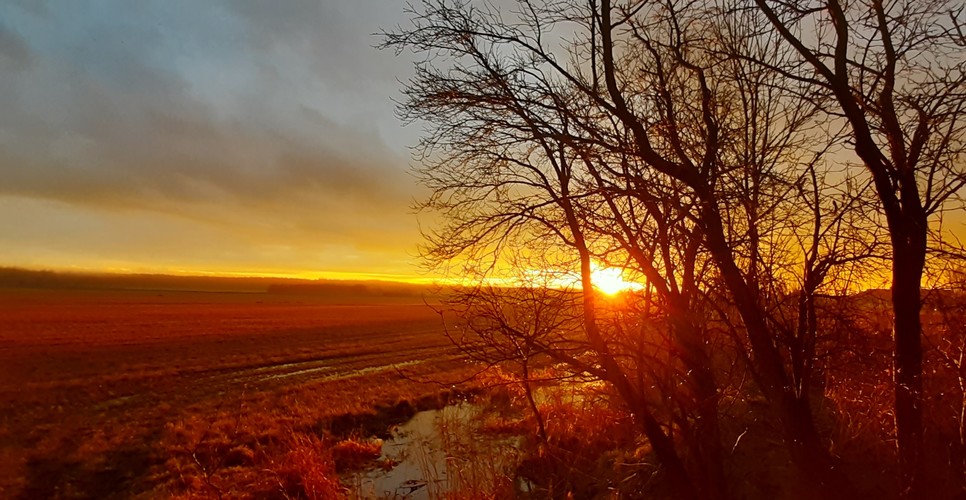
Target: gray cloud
<point x="13" y="49"/>
<point x="268" y="120"/>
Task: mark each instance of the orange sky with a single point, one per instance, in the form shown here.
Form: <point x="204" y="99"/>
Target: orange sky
<point x="220" y="137"/>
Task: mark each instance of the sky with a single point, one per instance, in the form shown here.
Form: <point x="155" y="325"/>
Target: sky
<point x="222" y="137"/>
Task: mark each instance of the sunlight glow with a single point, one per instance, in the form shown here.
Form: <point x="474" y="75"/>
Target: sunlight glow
<point x="610" y="280"/>
<point x="607" y="280"/>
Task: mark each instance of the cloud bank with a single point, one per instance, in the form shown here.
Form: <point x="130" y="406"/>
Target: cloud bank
<point x="246" y="136"/>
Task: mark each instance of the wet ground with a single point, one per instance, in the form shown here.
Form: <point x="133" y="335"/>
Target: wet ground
<point x="79" y="363"/>
<point x="439" y="453"/>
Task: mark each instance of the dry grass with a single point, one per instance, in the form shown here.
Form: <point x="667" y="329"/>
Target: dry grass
<point x="593" y="448"/>
<point x="307" y="471"/>
<point x="356" y="453"/>
<point x="590" y="444"/>
<point x="120" y="394"/>
<point x="222" y="395"/>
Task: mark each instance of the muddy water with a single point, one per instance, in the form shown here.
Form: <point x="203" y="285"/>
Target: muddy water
<point x="439" y="452"/>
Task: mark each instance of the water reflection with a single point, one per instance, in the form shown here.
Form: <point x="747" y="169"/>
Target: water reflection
<point x="440" y="452"/>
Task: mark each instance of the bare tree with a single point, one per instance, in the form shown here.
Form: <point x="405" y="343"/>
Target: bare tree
<point x="510" y="167"/>
<point x="519" y="329"/>
<point x="896" y="73"/>
<point x="945" y="338"/>
<point x="659" y="138"/>
<point x="695" y="149"/>
<point x="503" y="177"/>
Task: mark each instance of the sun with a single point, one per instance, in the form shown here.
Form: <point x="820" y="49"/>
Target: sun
<point x="610" y="280"/>
<point x="606" y="280"/>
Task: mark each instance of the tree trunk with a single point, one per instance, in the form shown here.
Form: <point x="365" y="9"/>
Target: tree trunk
<point x="808" y="453"/>
<point x="528" y="390"/>
<point x="663" y="445"/>
<point x="907" y="268"/>
<point x="681" y="484"/>
<point x="706" y="442"/>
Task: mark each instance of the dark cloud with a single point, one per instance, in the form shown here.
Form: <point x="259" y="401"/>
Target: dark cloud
<point x="269" y="121"/>
<point x="13" y="49"/>
<point x="329" y="36"/>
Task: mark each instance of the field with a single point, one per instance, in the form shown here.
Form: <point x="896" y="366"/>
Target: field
<point x="110" y="393"/>
<point x="282" y="394"/>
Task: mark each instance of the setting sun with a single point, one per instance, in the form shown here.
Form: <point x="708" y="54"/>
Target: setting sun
<point x="607" y="280"/>
<point x="610" y="280"/>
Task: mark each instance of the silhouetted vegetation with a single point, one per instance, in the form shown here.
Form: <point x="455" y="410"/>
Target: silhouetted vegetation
<point x="340" y="289"/>
<point x="753" y="164"/>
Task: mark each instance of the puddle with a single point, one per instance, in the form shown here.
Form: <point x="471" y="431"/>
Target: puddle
<point x="114" y="402"/>
<point x="439" y="452"/>
<point x="372" y="369"/>
<point x="330" y="371"/>
<point x="303" y="371"/>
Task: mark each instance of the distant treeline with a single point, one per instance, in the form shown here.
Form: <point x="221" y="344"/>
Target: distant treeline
<point x="335" y="288"/>
<point x="25" y="278"/>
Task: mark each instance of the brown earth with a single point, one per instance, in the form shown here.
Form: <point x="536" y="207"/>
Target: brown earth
<point x="96" y="376"/>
